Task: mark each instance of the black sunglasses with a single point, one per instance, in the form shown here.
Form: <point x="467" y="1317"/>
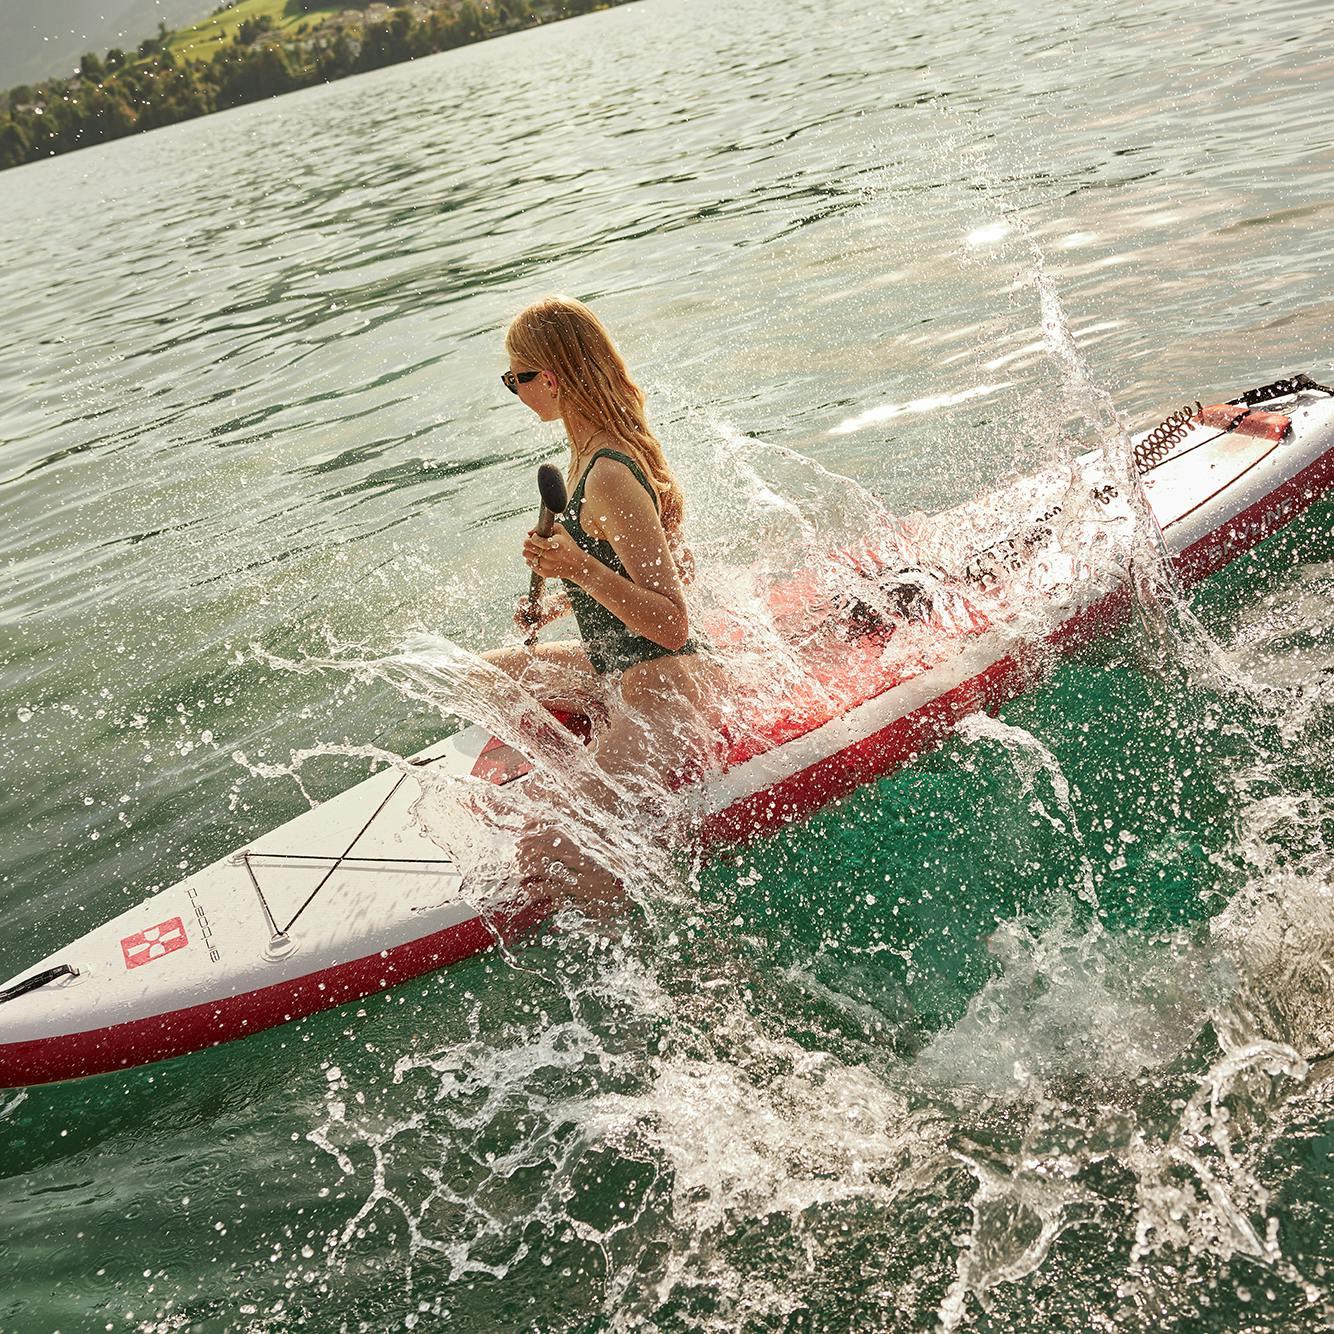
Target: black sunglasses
<point x="513" y="379"/>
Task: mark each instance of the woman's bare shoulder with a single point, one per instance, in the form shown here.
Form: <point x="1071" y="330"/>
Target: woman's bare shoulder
<point x="610" y="482"/>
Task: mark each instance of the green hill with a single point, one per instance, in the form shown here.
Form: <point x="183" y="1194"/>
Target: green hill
<point x="243" y="53"/>
<point x="202" y="39"/>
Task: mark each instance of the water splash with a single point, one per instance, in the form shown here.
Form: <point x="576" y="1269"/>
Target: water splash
<point x="621" y="822"/>
<point x="1030" y="758"/>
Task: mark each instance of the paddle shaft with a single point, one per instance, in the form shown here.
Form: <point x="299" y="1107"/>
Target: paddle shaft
<point x="546" y="521"/>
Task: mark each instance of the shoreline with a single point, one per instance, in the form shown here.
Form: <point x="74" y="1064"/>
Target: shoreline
<point x="119" y="95"/>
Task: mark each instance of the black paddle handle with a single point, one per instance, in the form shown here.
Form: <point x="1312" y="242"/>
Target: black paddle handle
<point x="551" y="486"/>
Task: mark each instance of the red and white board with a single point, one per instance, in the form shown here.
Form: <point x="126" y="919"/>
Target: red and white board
<point x="357" y="895"/>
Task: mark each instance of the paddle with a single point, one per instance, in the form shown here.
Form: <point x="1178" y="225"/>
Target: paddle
<point x="551" y="487"/>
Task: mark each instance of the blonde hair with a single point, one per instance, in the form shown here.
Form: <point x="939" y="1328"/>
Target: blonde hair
<point x="561" y="335"/>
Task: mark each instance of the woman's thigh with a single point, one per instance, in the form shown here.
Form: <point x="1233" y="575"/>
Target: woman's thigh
<point x="657" y="727"/>
<point x="560" y="653"/>
<point x="673" y="703"/>
<point x="558" y="673"/>
<point x="661" y="725"/>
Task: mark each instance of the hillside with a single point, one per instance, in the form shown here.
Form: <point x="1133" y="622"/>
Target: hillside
<point x="245" y="52"/>
<point x="200" y="40"/>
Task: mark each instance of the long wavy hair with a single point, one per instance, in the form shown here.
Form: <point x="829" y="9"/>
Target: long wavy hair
<point x="561" y="335"/>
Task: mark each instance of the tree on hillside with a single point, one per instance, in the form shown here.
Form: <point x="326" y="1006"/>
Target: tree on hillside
<point x="15" y="146"/>
<point x="337" y="60"/>
<point x="174" y="95"/>
<point x="249" y="29"/>
<point x="109" y="114"/>
<point x="246" y="74"/>
<point x="57" y="127"/>
<point x="388" y="43"/>
<point x="469" y="21"/>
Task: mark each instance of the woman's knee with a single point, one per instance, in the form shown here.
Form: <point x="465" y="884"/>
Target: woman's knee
<point x="511" y="661"/>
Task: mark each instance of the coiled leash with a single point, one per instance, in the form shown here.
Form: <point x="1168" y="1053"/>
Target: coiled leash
<point x="1157" y="445"/>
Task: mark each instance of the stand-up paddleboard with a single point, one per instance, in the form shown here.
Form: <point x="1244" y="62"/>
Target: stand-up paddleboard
<point x="355" y="895"/>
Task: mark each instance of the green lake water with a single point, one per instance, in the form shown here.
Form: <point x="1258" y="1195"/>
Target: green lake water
<point x="1031" y="1035"/>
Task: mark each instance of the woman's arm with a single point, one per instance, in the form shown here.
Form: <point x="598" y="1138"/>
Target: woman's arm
<point x="651" y="602"/>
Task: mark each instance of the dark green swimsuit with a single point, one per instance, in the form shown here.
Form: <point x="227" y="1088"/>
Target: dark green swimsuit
<point x="612" y="646"/>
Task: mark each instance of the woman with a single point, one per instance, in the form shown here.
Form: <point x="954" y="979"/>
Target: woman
<point x="618" y="550"/>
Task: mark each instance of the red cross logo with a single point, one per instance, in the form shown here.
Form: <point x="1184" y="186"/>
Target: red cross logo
<point x="153" y="942"/>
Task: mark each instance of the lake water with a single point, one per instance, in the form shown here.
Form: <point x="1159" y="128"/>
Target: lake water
<point x="974" y="1050"/>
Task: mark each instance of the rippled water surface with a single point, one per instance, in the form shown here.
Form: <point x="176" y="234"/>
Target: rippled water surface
<point x="1029" y="1036"/>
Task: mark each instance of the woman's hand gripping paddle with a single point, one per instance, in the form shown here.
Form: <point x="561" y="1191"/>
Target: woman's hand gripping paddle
<point x="551" y="487"/>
